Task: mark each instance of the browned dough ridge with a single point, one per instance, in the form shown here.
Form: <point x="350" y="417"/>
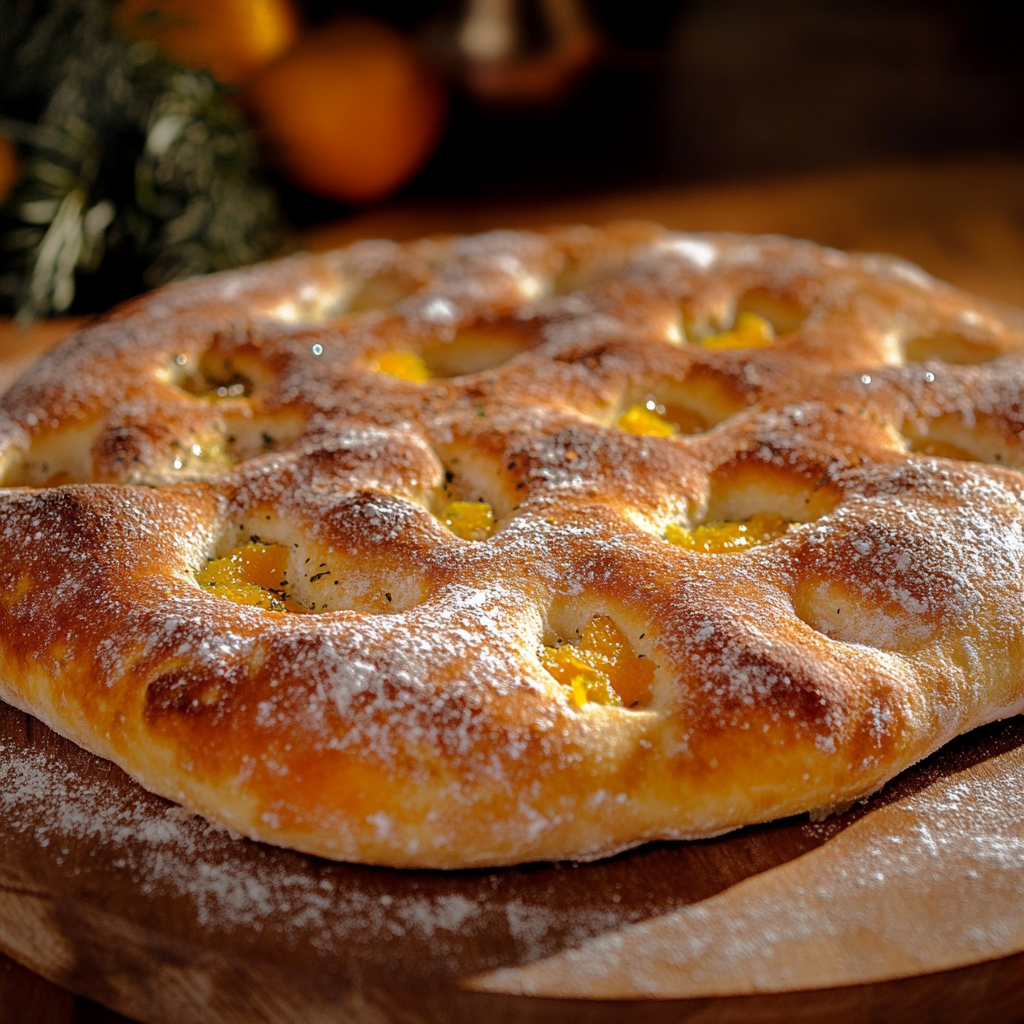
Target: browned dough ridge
<point x="408" y="720"/>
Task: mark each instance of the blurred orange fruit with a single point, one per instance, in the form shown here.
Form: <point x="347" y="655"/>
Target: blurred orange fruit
<point x="229" y="38"/>
<point x="350" y="112"/>
<point x="10" y="167"/>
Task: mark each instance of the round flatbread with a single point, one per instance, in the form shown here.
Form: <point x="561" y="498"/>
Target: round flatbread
<point x="481" y="550"/>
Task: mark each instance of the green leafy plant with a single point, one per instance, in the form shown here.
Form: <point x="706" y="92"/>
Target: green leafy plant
<point x="136" y="172"/>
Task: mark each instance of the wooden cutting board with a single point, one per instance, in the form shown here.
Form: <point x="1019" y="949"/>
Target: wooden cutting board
<point x="123" y="897"/>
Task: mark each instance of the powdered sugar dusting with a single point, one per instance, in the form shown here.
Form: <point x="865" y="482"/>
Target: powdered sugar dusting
<point x="931" y="882"/>
<point x="258" y="407"/>
<point x="94" y="830"/>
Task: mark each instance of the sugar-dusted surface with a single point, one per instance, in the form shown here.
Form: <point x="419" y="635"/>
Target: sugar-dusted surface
<point x="408" y="719"/>
<point x="925" y="883"/>
<point x="133" y="901"/>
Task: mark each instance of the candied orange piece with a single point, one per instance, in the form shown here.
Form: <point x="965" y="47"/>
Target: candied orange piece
<point x="603" y="668"/>
<point x="638" y="419"/>
<point x="403" y="365"/>
<point x="470" y="520"/>
<point x="749" y="331"/>
<point x="252" y="574"/>
<point x="728" y="537"/>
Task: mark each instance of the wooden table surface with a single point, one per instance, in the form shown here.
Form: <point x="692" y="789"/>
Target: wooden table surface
<point x="962" y="221"/>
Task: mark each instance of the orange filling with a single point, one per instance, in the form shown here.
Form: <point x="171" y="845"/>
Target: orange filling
<point x="728" y="537"/>
<point x="602" y="668"/>
<point x="942" y="450"/>
<point x="749" y="331"/>
<point x="470" y="520"/>
<point x="254" y="574"/>
<point x="403" y="365"/>
<point x="639" y="419"/>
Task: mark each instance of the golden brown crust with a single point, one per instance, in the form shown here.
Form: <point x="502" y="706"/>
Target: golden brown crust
<point x="409" y="720"/>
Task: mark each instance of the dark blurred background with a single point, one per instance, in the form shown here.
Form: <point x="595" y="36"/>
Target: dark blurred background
<point x="711" y="90"/>
<point x="142" y="141"/>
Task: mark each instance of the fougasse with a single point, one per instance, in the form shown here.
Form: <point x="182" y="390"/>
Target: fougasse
<point x="520" y="546"/>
